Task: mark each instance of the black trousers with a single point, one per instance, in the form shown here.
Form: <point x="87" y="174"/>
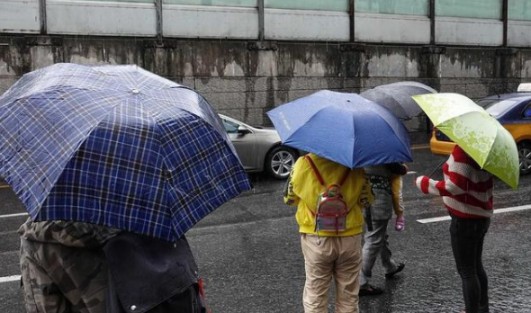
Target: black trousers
<point x="467" y="236"/>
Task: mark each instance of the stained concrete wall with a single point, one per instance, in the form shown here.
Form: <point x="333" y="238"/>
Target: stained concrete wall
<point x="245" y="79"/>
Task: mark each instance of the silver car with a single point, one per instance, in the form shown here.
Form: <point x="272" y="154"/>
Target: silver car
<point x="260" y="148"/>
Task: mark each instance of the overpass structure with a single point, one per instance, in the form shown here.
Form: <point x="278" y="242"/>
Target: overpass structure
<point x="441" y="22"/>
<point x="247" y="56"/>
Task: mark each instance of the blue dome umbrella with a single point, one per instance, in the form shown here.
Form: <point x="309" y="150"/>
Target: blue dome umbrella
<point x="343" y="127"/>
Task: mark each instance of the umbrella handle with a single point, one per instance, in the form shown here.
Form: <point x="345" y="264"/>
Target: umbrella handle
<point x="436" y="168"/>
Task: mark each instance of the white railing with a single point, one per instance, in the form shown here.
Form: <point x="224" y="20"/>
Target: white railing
<point x="254" y="20"/>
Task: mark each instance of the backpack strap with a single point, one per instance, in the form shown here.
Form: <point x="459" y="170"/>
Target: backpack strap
<point x="318" y="175"/>
<point x="344" y="178"/>
<point x="315" y="170"/>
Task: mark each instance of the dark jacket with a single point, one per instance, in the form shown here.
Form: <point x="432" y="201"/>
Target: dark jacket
<point x="151" y="275"/>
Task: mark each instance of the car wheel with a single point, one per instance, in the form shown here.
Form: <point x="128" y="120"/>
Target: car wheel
<point x="524" y="154"/>
<point x="279" y="162"/>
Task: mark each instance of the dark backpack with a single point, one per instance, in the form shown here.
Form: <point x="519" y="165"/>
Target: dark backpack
<point x="332" y="210"/>
<point x="148" y="275"/>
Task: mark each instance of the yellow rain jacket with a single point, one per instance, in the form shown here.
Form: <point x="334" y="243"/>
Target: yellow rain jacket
<point x="303" y="189"/>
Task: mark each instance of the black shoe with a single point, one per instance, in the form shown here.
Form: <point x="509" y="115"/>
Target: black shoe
<point x="368" y="290"/>
<point x="399" y="269"/>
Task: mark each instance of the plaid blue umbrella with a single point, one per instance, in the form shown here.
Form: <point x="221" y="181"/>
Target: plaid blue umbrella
<point x="116" y="146"/>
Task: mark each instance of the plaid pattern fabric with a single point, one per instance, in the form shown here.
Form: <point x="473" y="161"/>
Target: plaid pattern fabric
<point x="116" y="146"/>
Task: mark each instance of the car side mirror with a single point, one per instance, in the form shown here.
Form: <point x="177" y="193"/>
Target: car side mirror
<point x="242" y="131"/>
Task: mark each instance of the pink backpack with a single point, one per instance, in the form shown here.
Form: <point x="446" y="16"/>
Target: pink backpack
<point x="332" y="210"/>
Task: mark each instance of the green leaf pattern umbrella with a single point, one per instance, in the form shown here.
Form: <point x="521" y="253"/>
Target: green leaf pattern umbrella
<point x="475" y="131"/>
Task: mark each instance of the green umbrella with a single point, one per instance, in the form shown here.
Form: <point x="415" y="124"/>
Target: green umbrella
<point x="475" y="131"/>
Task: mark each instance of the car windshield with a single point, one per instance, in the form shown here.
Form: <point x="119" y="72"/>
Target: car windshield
<point x="496" y="109"/>
<point x="230" y="127"/>
<point x="484" y="103"/>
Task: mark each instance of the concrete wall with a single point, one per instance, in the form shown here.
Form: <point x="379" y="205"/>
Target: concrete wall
<point x="245" y="79"/>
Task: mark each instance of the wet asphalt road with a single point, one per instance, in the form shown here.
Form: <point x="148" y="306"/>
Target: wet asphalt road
<point x="249" y="255"/>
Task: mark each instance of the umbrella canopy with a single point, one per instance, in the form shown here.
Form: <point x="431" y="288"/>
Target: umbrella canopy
<point x="117" y="146"/>
<point x="396" y="97"/>
<point x="342" y="127"/>
<point x="475" y="131"/>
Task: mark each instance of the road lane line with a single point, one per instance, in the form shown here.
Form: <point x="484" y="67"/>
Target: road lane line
<point x="8" y="279"/>
<point x="420" y="146"/>
<point x="423" y="221"/>
<point x="497" y="211"/>
<point x="13" y="215"/>
<point x="434" y="219"/>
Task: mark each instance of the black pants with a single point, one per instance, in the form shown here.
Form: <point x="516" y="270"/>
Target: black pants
<point x="467" y="237"/>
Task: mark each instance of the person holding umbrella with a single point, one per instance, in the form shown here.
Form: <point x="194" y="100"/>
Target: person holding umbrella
<point x="330" y="225"/>
<point x="466" y="191"/>
<point x="120" y="148"/>
<point x="329" y="253"/>
<point x="74" y="267"/>
<point x="484" y="149"/>
<point x="63" y="266"/>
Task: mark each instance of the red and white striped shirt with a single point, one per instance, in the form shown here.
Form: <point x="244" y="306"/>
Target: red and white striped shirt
<point x="466" y="189"/>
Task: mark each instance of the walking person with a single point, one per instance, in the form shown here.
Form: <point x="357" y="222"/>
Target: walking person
<point x="386" y="201"/>
<point x="75" y="267"/>
<point x="63" y="267"/>
<point x="329" y="253"/>
<point x="466" y="192"/>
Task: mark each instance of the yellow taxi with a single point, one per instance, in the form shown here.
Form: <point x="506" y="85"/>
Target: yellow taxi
<point x="514" y="113"/>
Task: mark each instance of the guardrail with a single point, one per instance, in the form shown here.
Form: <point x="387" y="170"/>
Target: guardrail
<point x="163" y="18"/>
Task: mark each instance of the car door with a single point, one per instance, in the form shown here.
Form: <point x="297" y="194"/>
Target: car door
<point x="244" y="142"/>
<point x="518" y="121"/>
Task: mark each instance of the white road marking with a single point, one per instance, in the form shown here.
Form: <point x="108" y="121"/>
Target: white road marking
<point x="8" y="279"/>
<point x="13" y="215"/>
<point x="497" y="211"/>
<point x="423" y="221"/>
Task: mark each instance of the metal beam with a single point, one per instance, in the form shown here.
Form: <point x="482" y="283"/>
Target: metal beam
<point x="261" y="19"/>
<point x="505" y="19"/>
<point x="432" y="21"/>
<point x="43" y="19"/>
<point x="158" y="9"/>
<point x="351" y="11"/>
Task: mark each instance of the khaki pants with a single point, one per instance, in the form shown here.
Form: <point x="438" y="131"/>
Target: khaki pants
<point x="326" y="258"/>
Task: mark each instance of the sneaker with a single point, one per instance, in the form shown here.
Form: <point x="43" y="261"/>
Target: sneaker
<point x="400" y="223"/>
<point x="398" y="269"/>
<point x="368" y="290"/>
